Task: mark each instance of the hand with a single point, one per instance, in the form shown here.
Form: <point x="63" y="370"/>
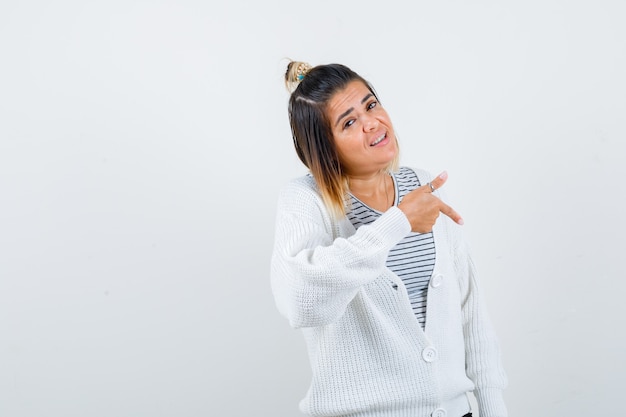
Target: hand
<point x="422" y="208"/>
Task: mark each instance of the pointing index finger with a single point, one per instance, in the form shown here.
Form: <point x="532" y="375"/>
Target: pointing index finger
<point x="450" y="212"/>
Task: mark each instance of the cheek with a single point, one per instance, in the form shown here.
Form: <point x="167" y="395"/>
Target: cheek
<point x="342" y="152"/>
<point x="346" y="145"/>
<point x="345" y="150"/>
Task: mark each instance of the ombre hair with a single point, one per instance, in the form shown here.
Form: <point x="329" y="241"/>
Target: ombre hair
<point x="311" y="89"/>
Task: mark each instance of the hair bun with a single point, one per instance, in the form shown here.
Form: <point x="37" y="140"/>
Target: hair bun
<point x="296" y="71"/>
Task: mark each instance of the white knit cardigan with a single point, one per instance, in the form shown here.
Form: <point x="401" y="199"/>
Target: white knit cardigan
<point x="368" y="354"/>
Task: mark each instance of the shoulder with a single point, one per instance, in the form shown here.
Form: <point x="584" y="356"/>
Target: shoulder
<point x="300" y="194"/>
<point x="304" y="186"/>
<point x="300" y="204"/>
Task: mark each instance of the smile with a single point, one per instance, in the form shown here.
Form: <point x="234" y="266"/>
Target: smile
<point x="380" y="139"/>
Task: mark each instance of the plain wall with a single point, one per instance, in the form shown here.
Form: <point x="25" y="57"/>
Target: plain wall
<point x="143" y="144"/>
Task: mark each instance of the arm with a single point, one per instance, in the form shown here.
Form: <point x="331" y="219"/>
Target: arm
<point x="314" y="275"/>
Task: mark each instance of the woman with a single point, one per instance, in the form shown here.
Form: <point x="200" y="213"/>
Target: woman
<point x="382" y="287"/>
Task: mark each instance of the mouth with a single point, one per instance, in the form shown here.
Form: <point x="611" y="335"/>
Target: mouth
<point x="379" y="139"/>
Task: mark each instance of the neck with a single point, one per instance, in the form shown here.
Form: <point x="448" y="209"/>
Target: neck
<point x="375" y="190"/>
<point x="367" y="184"/>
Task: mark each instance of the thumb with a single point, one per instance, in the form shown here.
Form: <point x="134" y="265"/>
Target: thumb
<point x="437" y="182"/>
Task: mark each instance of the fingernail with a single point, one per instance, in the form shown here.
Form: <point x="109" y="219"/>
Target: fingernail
<point x="461" y="222"/>
<point x="443" y="175"/>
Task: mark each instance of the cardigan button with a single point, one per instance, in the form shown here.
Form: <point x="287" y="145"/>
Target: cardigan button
<point x="429" y="354"/>
<point x="436" y="280"/>
<point x="440" y="412"/>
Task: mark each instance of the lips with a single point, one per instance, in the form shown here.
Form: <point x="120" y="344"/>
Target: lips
<point x="379" y="139"/>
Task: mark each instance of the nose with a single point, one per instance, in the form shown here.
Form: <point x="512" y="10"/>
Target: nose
<point x="370" y="123"/>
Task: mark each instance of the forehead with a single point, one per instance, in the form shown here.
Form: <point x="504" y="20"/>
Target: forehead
<point x="349" y="97"/>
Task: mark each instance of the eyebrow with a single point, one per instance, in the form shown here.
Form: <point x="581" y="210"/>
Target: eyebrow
<point x="347" y="112"/>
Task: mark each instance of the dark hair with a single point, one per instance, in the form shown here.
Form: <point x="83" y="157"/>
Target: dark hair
<point x="311" y="129"/>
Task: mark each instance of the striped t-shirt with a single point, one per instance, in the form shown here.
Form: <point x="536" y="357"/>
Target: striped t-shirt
<point x="413" y="258"/>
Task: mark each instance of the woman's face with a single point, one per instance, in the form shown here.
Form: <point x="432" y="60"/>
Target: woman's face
<point x="362" y="130"/>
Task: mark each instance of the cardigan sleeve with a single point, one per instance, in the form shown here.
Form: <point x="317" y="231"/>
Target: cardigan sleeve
<point x="482" y="351"/>
<point x="314" y="275"/>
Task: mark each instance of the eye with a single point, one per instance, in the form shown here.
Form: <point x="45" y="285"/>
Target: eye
<point x="372" y="104"/>
<point x="348" y="123"/>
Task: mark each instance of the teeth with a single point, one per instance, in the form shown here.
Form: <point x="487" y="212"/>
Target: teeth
<point x="377" y="141"/>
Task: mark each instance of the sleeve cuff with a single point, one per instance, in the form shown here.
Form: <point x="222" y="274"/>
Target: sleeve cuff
<point x="490" y="402"/>
<point x="392" y="226"/>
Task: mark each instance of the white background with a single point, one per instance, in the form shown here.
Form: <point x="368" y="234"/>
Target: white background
<point x="143" y="143"/>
